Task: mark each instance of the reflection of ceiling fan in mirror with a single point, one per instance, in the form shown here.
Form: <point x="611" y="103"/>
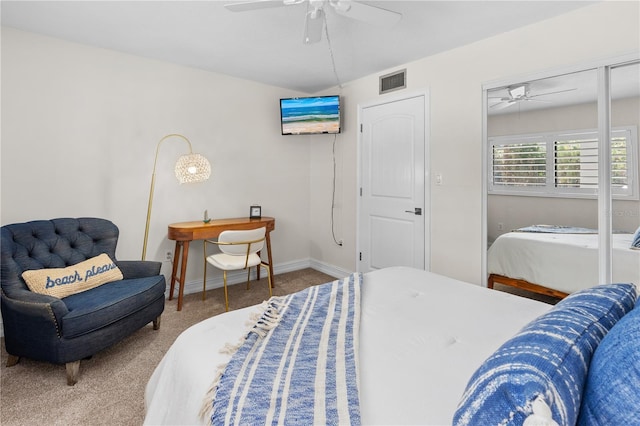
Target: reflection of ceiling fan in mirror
<point x="315" y="16"/>
<point x="520" y="93"/>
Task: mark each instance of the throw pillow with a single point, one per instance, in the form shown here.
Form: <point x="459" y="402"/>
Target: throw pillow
<point x="546" y="363"/>
<point x="62" y="282"/>
<point x="612" y="392"/>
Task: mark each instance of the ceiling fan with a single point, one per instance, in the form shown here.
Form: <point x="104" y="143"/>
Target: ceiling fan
<point x="315" y="15"/>
<point x="521" y="93"/>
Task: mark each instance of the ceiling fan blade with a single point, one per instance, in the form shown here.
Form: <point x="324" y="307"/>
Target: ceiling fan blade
<point x="244" y="6"/>
<point x="551" y="93"/>
<point x="366" y="13"/>
<point x="536" y="100"/>
<point x="313" y="26"/>
<point x="501" y="105"/>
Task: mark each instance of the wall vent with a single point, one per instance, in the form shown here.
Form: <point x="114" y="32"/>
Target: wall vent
<point x="395" y="81"/>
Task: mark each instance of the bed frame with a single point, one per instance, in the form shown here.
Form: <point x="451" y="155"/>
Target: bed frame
<point x="524" y="285"/>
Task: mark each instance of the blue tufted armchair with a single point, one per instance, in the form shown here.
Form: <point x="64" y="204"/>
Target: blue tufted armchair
<point x="67" y="330"/>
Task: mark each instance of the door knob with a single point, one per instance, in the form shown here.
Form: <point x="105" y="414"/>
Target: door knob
<point x="417" y="211"/>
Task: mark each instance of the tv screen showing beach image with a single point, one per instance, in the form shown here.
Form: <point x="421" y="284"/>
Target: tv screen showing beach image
<point x="302" y="116"/>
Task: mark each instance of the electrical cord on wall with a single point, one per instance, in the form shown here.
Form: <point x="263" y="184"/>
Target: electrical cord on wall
<point x="333" y="60"/>
<point x="333" y="194"/>
<point x="335" y="137"/>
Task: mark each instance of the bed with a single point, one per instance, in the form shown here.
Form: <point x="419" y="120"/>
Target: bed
<point x="422" y="336"/>
<point x="459" y="325"/>
<point x="557" y="261"/>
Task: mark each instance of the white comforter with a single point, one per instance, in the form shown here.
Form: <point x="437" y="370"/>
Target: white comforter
<point x="422" y="336"/>
<point x="564" y="262"/>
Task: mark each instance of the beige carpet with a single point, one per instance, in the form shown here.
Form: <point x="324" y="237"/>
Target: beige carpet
<point x="110" y="389"/>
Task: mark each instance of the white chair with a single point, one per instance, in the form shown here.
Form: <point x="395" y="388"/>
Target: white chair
<point x="238" y="250"/>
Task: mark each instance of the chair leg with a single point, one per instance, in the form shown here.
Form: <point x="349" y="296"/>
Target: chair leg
<point x="156" y="323"/>
<point x="72" y="372"/>
<point x="226" y="295"/>
<point x="268" y="278"/>
<point x="12" y="360"/>
<point x="248" y="278"/>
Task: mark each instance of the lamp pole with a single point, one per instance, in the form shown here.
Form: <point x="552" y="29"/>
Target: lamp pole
<point x="189" y="168"/>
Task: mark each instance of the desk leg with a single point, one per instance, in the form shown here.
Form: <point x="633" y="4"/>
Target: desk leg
<point x="270" y="261"/>
<point x="179" y="258"/>
<point x="174" y="270"/>
<point x="183" y="272"/>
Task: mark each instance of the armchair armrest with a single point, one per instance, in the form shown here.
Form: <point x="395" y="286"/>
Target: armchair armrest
<point x="29" y="301"/>
<point x="32" y="313"/>
<point x="138" y="268"/>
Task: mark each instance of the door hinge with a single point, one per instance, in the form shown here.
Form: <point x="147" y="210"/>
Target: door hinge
<point x="361" y="191"/>
<point x="361" y="127"/>
<point x="360" y="255"/>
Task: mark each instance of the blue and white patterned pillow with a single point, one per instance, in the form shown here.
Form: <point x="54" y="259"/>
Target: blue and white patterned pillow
<point x="635" y="243"/>
<point x="612" y="391"/>
<point x="544" y="367"/>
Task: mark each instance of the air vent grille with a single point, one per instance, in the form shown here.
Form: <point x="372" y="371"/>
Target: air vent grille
<point x="394" y="81"/>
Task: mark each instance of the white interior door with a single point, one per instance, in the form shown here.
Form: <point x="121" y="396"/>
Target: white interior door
<point x="393" y="209"/>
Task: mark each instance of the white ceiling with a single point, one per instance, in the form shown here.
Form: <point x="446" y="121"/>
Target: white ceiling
<point x="266" y="45"/>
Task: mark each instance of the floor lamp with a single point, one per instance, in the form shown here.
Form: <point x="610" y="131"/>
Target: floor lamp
<point x="190" y="168"/>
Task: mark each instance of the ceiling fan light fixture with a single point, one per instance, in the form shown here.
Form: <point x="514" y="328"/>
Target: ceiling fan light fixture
<point x="341" y="5"/>
<point x="518" y="91"/>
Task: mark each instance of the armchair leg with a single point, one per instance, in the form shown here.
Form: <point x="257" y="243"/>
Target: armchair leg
<point x="12" y="360"/>
<point x="73" y="369"/>
<point x="156" y="323"/>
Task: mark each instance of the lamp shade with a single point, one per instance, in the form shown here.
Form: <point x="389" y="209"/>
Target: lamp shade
<point x="192" y="168"/>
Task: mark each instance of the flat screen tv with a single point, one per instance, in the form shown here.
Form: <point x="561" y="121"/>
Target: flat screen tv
<point x="310" y="115"/>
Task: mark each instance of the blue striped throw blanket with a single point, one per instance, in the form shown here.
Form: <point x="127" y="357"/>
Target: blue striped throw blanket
<point x="298" y="364"/>
<point x="557" y="229"/>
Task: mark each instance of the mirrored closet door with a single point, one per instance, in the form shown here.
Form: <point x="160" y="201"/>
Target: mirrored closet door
<point x="625" y="158"/>
<point x="543" y="161"/>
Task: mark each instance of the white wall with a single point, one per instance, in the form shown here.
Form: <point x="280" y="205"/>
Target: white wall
<point x="80" y="127"/>
<point x="454" y="80"/>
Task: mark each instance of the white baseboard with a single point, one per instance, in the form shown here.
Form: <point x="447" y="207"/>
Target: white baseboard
<point x="195" y="286"/>
<point x="328" y="269"/>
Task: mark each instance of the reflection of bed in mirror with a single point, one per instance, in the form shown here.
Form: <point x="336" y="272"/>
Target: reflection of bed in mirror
<point x="557" y="261"/>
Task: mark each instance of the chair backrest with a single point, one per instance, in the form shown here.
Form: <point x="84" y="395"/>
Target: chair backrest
<point x="234" y="238"/>
<point x="55" y="243"/>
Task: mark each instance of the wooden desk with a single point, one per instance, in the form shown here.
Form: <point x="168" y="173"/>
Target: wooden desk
<point x="185" y="232"/>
